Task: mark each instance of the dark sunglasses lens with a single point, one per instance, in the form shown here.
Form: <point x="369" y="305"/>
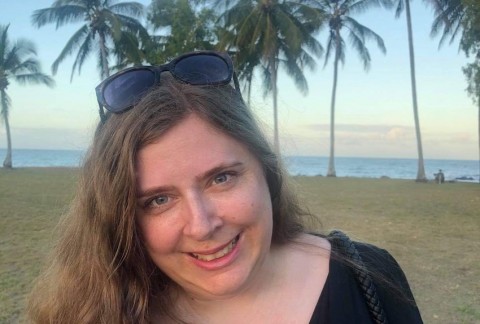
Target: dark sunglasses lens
<point x="202" y="70"/>
<point x="127" y="89"/>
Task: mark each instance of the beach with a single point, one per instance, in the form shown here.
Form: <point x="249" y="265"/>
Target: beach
<point x="431" y="229"/>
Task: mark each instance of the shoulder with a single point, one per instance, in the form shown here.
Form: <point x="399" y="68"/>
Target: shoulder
<point x="316" y="241"/>
<point x="377" y="260"/>
<point x="306" y="249"/>
<point x="388" y="277"/>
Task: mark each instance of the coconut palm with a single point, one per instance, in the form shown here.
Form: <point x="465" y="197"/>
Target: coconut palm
<point x="338" y="14"/>
<point x="400" y="6"/>
<point x="274" y="34"/>
<point x="105" y="25"/>
<point x="17" y="63"/>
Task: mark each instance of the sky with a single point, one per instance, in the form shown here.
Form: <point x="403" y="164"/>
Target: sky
<point x="374" y="114"/>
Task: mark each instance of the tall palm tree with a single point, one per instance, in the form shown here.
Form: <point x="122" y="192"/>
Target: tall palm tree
<point x="105" y="25"/>
<point x="400" y="6"/>
<point x="274" y="34"/>
<point x="338" y="13"/>
<point x="18" y="63"/>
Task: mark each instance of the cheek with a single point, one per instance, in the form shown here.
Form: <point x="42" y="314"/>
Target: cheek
<point x="157" y="237"/>
<point x="254" y="207"/>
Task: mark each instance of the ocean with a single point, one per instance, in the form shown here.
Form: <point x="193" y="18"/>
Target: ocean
<point x="462" y="170"/>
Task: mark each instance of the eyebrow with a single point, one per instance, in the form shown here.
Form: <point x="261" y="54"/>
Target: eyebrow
<point x="204" y="175"/>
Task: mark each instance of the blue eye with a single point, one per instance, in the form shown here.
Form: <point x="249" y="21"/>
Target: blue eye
<point x="157" y="201"/>
<point x="221" y="178"/>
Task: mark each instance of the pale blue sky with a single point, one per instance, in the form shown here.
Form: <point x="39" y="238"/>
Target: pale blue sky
<point x="374" y="115"/>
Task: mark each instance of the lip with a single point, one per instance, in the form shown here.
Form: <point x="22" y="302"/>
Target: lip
<point x="221" y="262"/>
<point x="214" y="250"/>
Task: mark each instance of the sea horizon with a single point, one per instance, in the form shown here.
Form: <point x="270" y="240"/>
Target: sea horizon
<point x="297" y="165"/>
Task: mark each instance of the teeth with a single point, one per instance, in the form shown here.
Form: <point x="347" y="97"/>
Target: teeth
<point x="216" y="255"/>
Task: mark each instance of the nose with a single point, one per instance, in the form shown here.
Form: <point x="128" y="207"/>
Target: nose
<point x="201" y="218"/>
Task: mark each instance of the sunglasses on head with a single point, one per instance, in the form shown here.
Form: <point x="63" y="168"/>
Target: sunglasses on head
<point x="124" y="89"/>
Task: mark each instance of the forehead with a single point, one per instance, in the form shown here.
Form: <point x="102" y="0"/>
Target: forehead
<point x="191" y="146"/>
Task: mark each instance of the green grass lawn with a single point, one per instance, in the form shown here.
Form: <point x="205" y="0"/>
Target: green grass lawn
<point x="432" y="230"/>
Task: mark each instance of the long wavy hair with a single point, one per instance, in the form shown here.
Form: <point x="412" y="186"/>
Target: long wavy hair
<point x="100" y="271"/>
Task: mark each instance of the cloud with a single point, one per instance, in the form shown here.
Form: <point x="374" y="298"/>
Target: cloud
<point x="381" y="141"/>
<point x="397" y="133"/>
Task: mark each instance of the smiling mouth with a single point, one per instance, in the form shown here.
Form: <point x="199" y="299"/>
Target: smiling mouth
<point x="209" y="257"/>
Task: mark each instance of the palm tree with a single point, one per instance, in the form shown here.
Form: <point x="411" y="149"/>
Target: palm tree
<point x="400" y="6"/>
<point x="338" y="13"/>
<point x="105" y="25"/>
<point x="18" y="63"/>
<point x="273" y="33"/>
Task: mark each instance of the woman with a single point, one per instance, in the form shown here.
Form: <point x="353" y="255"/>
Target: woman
<point x="183" y="215"/>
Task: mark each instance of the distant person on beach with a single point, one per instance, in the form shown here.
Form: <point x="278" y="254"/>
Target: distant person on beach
<point x="184" y="214"/>
<point x="439" y="177"/>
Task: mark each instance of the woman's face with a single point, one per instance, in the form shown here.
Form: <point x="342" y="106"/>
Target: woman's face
<point x="204" y="209"/>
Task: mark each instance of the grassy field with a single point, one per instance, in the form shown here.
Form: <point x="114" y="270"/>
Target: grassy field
<point x="432" y="230"/>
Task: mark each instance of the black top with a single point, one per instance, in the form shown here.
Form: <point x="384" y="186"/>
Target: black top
<point x="342" y="300"/>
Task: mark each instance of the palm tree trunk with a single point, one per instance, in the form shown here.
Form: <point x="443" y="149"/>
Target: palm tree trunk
<point x="331" y="161"/>
<point x="478" y="101"/>
<point x="273" y="71"/>
<point x="7" y="163"/>
<point x="421" y="168"/>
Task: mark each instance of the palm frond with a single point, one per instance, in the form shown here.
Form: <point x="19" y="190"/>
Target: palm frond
<point x="112" y="26"/>
<point x="30" y="65"/>
<point x="102" y="64"/>
<point x="18" y="52"/>
<point x="35" y="78"/>
<point x="399" y="9"/>
<point x="361" y="6"/>
<point x="133" y="26"/>
<point x="329" y="49"/>
<point x="132" y="8"/>
<point x="295" y="72"/>
<point x="358" y="43"/>
<point x="449" y="16"/>
<point x="82" y="54"/>
<point x="60" y="15"/>
<point x="24" y="47"/>
<point x="73" y="43"/>
<point x="4" y="42"/>
<point x="366" y="33"/>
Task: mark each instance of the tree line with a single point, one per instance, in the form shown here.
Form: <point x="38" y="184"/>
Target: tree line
<point x="262" y="35"/>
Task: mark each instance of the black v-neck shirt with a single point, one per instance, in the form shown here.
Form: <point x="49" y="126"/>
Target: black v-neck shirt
<point x="342" y="300"/>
